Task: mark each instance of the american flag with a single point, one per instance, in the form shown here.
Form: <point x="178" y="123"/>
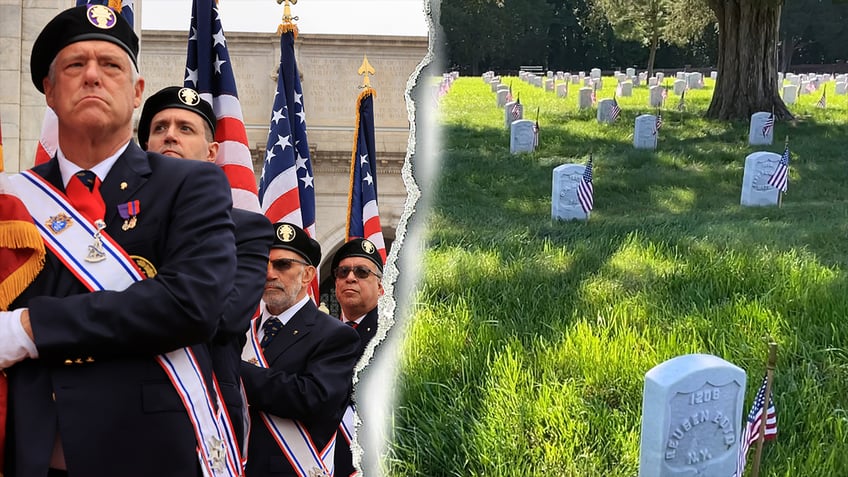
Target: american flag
<point x="780" y="177"/>
<point x="21" y="259"/>
<point x="210" y="72"/>
<point x="517" y="110"/>
<point x="664" y="94"/>
<point x="823" y="100"/>
<point x="509" y="94"/>
<point x="286" y="188"/>
<point x="594" y="89"/>
<point x="363" y="219"/>
<point x="49" y="140"/>
<point x="659" y="123"/>
<point x="536" y="131"/>
<point x="615" y="110"/>
<point x="768" y="124"/>
<point x="753" y="425"/>
<point x="585" y="190"/>
<point x="681" y="105"/>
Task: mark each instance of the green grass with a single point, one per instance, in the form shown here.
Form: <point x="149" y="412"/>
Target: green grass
<point x="530" y="338"/>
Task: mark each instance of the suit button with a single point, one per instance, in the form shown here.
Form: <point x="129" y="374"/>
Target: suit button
<point x="54" y="396"/>
<point x="89" y="360"/>
<point x="78" y="361"/>
<point x="68" y="362"/>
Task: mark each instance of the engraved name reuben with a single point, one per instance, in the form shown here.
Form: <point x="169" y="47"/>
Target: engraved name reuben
<point x="701" y="426"/>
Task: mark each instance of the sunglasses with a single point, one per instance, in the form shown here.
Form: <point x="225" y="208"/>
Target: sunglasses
<point x="283" y="264"/>
<point x="359" y="272"/>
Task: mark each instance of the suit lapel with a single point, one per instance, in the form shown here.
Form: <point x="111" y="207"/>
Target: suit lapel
<point x="295" y="330"/>
<point x="129" y="173"/>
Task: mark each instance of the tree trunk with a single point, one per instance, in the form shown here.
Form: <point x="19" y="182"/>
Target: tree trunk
<point x="747" y="60"/>
<point x="655" y="41"/>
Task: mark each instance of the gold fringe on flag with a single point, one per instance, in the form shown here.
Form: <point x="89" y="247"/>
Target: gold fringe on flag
<point x="368" y="91"/>
<point x="287" y="24"/>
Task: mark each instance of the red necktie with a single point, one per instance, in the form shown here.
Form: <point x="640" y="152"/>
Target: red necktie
<point x="84" y="193"/>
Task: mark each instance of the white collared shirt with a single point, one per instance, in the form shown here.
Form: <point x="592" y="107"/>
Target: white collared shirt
<point x="284" y="317"/>
<point x="68" y="168"/>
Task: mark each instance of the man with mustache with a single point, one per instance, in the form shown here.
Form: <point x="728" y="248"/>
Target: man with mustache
<point x="358" y="269"/>
<point x="298" y="366"/>
<point x="177" y="122"/>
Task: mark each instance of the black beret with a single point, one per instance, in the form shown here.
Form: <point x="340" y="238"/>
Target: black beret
<point x="358" y="248"/>
<point x="291" y="237"/>
<point x="173" y="97"/>
<point x="84" y="22"/>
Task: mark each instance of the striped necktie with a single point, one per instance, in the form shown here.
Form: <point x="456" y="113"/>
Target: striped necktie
<point x="270" y="328"/>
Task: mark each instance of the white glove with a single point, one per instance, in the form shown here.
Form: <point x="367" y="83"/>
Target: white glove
<point x="15" y="344"/>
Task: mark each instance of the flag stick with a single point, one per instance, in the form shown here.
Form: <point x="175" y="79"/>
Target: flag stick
<point x="772" y="359"/>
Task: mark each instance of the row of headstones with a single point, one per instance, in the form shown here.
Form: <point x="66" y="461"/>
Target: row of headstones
<point x="585" y="98"/>
<point x="756" y="190"/>
<point x="801" y="85"/>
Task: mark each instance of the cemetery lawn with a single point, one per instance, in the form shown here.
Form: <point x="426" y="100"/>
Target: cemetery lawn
<point x="529" y="339"/>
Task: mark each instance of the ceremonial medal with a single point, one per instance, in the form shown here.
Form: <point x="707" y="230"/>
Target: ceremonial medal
<point x="59" y="223"/>
<point x="95" y="250"/>
<point x="217" y="452"/>
<point x="128" y="212"/>
<point x="146" y="267"/>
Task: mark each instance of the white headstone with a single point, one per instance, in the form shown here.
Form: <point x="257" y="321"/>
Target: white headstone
<point x="521" y="136"/>
<point x="564" y="202"/>
<point x="679" y="86"/>
<point x="598" y="82"/>
<point x="692" y="410"/>
<point x="604" y="109"/>
<point x="713" y="75"/>
<point x="494" y="83"/>
<point x="630" y="72"/>
<point x="842" y="87"/>
<point x="756" y="191"/>
<point x="537" y="81"/>
<point x="637" y="80"/>
<point x="660" y="76"/>
<point x="694" y="80"/>
<point x="550" y="74"/>
<point x="502" y="93"/>
<point x="549" y="84"/>
<point x="587" y="81"/>
<point x="562" y="90"/>
<point x="645" y="133"/>
<point x="790" y="94"/>
<point x="595" y="73"/>
<point x="652" y="81"/>
<point x="584" y="101"/>
<point x="513" y="111"/>
<point x="575" y="79"/>
<point x="761" y="131"/>
<point x="780" y="79"/>
<point x="655" y="98"/>
<point x="680" y="75"/>
<point x="643" y="77"/>
<point x="627" y="89"/>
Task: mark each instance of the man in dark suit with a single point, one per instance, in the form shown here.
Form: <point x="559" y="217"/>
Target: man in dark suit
<point x="87" y="353"/>
<point x="358" y="269"/>
<point x="177" y="122"/>
<point x="298" y="366"/>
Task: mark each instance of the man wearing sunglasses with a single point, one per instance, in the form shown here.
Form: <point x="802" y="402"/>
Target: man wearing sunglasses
<point x="177" y="122"/>
<point x="358" y="269"/>
<point x="297" y="366"/>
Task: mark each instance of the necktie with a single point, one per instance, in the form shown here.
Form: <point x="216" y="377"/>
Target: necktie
<point x="352" y="324"/>
<point x="83" y="191"/>
<point x="270" y="328"/>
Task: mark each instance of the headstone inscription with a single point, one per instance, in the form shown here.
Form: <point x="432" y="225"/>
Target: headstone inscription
<point x="761" y="130"/>
<point x="645" y="132"/>
<point x="756" y="190"/>
<point x="521" y="136"/>
<point x="565" y="204"/>
<point x="692" y="409"/>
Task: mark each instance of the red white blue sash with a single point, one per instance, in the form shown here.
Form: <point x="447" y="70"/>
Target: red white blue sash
<point x="289" y="434"/>
<point x="348" y="424"/>
<point x="67" y="234"/>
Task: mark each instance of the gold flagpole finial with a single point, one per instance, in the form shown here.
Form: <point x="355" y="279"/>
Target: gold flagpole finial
<point x="364" y="70"/>
<point x="287" y="22"/>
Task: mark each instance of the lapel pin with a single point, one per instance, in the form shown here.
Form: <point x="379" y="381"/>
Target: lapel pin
<point x="123" y="185"/>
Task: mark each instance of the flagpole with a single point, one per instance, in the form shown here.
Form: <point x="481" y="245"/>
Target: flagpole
<point x="772" y="359"/>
